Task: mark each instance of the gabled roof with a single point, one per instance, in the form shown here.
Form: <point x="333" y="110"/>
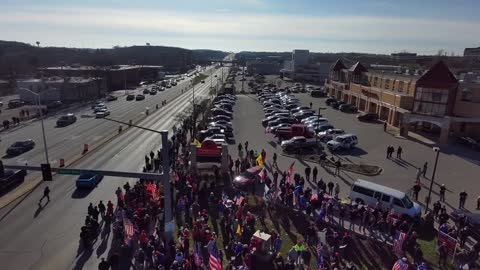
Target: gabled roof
<point x="338" y="65"/>
<point x="357" y="68"/>
<point x="438" y="76"/>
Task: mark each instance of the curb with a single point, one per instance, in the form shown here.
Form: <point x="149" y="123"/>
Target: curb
<point x="34" y="183"/>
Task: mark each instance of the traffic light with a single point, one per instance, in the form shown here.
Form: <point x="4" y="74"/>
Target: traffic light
<point x="46" y="172"/>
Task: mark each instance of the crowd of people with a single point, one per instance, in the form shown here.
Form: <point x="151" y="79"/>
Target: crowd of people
<point x="206" y="211"/>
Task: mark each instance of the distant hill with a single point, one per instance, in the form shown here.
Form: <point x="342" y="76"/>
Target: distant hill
<point x="21" y="58"/>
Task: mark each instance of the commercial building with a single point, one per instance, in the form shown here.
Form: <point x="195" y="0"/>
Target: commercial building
<point x="471" y="52"/>
<point x="116" y="77"/>
<point x="264" y="66"/>
<point x="66" y="90"/>
<point x="428" y="101"/>
<point x="299" y="68"/>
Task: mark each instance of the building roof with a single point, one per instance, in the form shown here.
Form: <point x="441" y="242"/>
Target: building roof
<point x="357" y="68"/>
<point x="338" y="65"/>
<point x="437" y="76"/>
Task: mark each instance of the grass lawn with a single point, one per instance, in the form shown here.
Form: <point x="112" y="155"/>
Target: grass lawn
<point x="199" y="78"/>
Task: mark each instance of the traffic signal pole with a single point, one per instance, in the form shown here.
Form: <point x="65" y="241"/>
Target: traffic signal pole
<point x="169" y="224"/>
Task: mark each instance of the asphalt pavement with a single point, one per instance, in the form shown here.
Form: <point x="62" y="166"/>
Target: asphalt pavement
<point x="47" y="237"/>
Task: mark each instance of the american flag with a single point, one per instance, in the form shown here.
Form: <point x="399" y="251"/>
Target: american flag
<point x="320" y="263"/>
<point x="214" y="261"/>
<point x="398" y="243"/>
<point x="319" y="250"/>
<point x="400" y="265"/>
<point x="128" y="229"/>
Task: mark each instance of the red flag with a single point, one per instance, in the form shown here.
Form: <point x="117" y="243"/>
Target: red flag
<point x="290" y="173"/>
<point x="128" y="229"/>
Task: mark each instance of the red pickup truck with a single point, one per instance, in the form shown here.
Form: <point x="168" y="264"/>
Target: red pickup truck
<point x="295" y="130"/>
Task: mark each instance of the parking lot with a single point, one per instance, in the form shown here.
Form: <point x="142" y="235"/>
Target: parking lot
<point x="456" y="171"/>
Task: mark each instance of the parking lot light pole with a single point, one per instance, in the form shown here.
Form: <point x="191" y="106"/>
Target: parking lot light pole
<point x="320" y="109"/>
<point x="41" y="121"/>
<point x="437" y="150"/>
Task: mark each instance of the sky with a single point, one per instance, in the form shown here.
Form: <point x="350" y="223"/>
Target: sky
<point x="367" y="26"/>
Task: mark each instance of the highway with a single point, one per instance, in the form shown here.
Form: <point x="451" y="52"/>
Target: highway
<point x="47" y="237"/>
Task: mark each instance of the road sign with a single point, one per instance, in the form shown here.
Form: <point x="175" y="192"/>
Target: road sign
<point x="70" y="171"/>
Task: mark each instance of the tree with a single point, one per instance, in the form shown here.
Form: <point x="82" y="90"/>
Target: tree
<point x="38" y="43"/>
<point x="148" y="43"/>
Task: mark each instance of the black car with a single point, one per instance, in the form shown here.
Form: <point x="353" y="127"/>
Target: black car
<point x="217" y="111"/>
<point x="139" y="97"/>
<point x="347" y="108"/>
<point x="15" y="103"/>
<point x="66" y="120"/>
<point x="330" y="100"/>
<point x="336" y="105"/>
<point x="11" y="178"/>
<point x="20" y="147"/>
<point x="317" y="93"/>
<point x="111" y="98"/>
<point x="366" y="117"/>
<point x="130" y="97"/>
<point x="54" y="104"/>
<point x="469" y="142"/>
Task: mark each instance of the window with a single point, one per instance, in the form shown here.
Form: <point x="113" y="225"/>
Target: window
<point x="377" y="195"/>
<point x="387" y="84"/>
<point x="431" y="101"/>
<point x="407" y="202"/>
<point x="398" y="203"/>
<point x="364" y="191"/>
<point x="386" y="198"/>
<point x="466" y="94"/>
<point x="393" y="85"/>
<point x="400" y="86"/>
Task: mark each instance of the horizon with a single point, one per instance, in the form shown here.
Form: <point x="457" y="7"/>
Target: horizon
<point x="248" y="25"/>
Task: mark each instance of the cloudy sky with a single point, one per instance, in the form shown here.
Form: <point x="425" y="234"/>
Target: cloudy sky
<point x="373" y="26"/>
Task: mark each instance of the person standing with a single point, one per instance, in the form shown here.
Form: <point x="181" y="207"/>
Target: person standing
<point x="419" y="173"/>
<point x="330" y="186"/>
<point x="46" y="194"/>
<point x="442" y="254"/>
<point x="442" y="192"/>
<point x="388" y="152"/>
<point x="399" y="152"/>
<point x="246" y="146"/>
<point x="384" y="126"/>
<point x="463" y="198"/>
<point x="425" y="167"/>
<point x="314" y="174"/>
<point x="478" y="202"/>
<point x="275" y="160"/>
<point x="337" y="190"/>
<point x="307" y="173"/>
<point x="416" y="190"/>
<point x="338" y="164"/>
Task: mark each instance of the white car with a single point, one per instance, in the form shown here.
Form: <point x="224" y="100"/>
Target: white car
<point x="102" y="113"/>
<point x="99" y="108"/>
<point x="330" y="134"/>
<point x="346" y="141"/>
<point x="217" y="136"/>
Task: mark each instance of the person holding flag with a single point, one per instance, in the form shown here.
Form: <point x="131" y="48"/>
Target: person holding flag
<point x="290" y="173"/>
<point x="401" y="264"/>
<point x="197" y="142"/>
<point x="214" y="261"/>
<point x="260" y="161"/>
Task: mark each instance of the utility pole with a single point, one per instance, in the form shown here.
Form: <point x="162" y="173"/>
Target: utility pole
<point x="437" y="150"/>
<point x="169" y="225"/>
<point x="243" y="77"/>
<point x="193" y="111"/>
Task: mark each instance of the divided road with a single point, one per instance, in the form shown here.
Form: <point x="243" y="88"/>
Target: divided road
<point x="47" y="237"/>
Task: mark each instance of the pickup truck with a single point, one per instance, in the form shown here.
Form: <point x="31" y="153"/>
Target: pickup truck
<point x="293" y="131"/>
<point x="11" y="178"/>
<point x="299" y="142"/>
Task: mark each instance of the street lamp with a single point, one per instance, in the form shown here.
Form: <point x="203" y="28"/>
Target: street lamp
<point x="437" y="150"/>
<point x="193" y="106"/>
<point x="41" y="118"/>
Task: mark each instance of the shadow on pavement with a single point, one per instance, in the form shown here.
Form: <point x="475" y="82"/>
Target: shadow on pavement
<point x="80" y="193"/>
<point x="80" y="262"/>
<point x="352" y="152"/>
<point x="40" y="209"/>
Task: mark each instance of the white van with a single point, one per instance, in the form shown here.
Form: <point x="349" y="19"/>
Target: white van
<point x="368" y="193"/>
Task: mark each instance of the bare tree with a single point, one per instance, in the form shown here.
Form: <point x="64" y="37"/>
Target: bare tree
<point x="38" y="43"/>
<point x="148" y="43"/>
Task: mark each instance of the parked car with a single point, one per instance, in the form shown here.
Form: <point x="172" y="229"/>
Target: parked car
<point x="346" y="141"/>
<point x="273" y="129"/>
<point x="220" y="118"/>
<point x="293" y="131"/>
<point x="330" y="134"/>
<point x="88" y="180"/>
<point x="319" y="127"/>
<point x="111" y="98"/>
<point x="298" y="142"/>
<point x="15" y="103"/>
<point x="336" y="105"/>
<point x="99" y="108"/>
<point x="247" y="178"/>
<point x="20" y="147"/>
<point x="317" y="93"/>
<point x="66" y="120"/>
<point x="146" y="91"/>
<point x="330" y="100"/>
<point x="218" y="111"/>
<point x="130" y="97"/>
<point x="303" y="114"/>
<point x="347" y="108"/>
<point x="366" y="117"/>
<point x="470" y="142"/>
<point x="139" y="97"/>
<point x="369" y="193"/>
<point x="153" y="92"/>
<point x="11" y="178"/>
